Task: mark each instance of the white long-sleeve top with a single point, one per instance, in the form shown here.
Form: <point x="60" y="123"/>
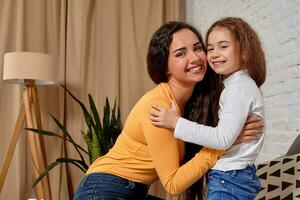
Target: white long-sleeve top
<point x="240" y="98"/>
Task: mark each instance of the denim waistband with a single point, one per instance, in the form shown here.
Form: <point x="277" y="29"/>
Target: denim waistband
<point x="251" y="167"/>
<point x="128" y="183"/>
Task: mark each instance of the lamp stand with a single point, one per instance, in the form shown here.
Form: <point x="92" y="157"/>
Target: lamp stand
<point x="30" y="109"/>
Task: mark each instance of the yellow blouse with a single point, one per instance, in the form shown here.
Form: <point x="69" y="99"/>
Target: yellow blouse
<point x="144" y="152"/>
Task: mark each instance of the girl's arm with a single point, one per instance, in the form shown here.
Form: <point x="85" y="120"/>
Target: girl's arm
<point x="233" y="115"/>
<point x="167" y="118"/>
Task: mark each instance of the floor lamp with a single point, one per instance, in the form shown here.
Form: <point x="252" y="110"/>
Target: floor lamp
<point x="29" y="69"/>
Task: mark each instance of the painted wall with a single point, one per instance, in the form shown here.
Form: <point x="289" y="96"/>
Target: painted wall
<point x="277" y="23"/>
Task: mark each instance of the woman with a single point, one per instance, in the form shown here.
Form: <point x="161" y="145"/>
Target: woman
<point x="144" y="153"/>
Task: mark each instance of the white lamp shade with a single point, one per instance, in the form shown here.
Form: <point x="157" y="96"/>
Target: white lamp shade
<point x="19" y="66"/>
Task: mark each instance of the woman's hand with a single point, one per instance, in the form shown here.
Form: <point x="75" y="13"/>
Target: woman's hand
<point x="252" y="130"/>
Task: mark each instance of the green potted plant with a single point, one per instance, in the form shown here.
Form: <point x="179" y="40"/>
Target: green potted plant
<point x="99" y="136"/>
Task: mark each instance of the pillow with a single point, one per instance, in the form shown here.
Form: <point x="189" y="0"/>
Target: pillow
<point x="295" y="147"/>
<point x="280" y="178"/>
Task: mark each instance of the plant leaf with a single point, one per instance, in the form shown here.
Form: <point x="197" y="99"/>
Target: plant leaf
<point x="87" y="116"/>
<point x="95" y="113"/>
<point x="68" y="136"/>
<point x="95" y="147"/>
<point x="106" y="114"/>
<point x="50" y="133"/>
<point x="88" y="142"/>
<point x="77" y="163"/>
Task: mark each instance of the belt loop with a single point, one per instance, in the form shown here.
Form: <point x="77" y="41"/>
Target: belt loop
<point x="252" y="168"/>
<point x="234" y="173"/>
<point x="131" y="185"/>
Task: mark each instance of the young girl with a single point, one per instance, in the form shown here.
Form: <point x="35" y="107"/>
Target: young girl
<point x="233" y="51"/>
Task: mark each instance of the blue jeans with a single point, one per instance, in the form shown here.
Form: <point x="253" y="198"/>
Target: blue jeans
<point x="233" y="185"/>
<point x="101" y="186"/>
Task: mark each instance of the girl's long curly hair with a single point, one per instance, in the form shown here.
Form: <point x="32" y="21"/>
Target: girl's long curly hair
<point x="202" y="108"/>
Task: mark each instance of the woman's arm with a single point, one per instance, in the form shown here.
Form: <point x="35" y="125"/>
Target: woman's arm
<point x="252" y="130"/>
<point x="166" y="152"/>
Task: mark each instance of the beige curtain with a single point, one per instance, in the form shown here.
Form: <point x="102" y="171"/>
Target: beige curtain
<point x="100" y="47"/>
<point x="29" y="25"/>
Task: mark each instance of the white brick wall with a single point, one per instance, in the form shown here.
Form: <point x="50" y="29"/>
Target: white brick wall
<point x="277" y="23"/>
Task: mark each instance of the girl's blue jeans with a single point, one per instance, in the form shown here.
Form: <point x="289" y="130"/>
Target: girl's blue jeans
<point x="101" y="186"/>
<point x="233" y="185"/>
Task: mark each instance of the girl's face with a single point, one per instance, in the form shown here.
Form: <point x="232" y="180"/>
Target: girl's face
<point x="223" y="52"/>
<point x="187" y="61"/>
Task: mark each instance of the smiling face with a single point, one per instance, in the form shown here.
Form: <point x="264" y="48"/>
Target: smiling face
<point x="223" y="52"/>
<point x="187" y="61"/>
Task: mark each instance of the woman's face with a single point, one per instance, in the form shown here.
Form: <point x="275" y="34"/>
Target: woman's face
<point x="187" y="61"/>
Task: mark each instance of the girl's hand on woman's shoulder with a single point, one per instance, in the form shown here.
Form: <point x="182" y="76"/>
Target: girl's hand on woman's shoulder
<point x="164" y="117"/>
